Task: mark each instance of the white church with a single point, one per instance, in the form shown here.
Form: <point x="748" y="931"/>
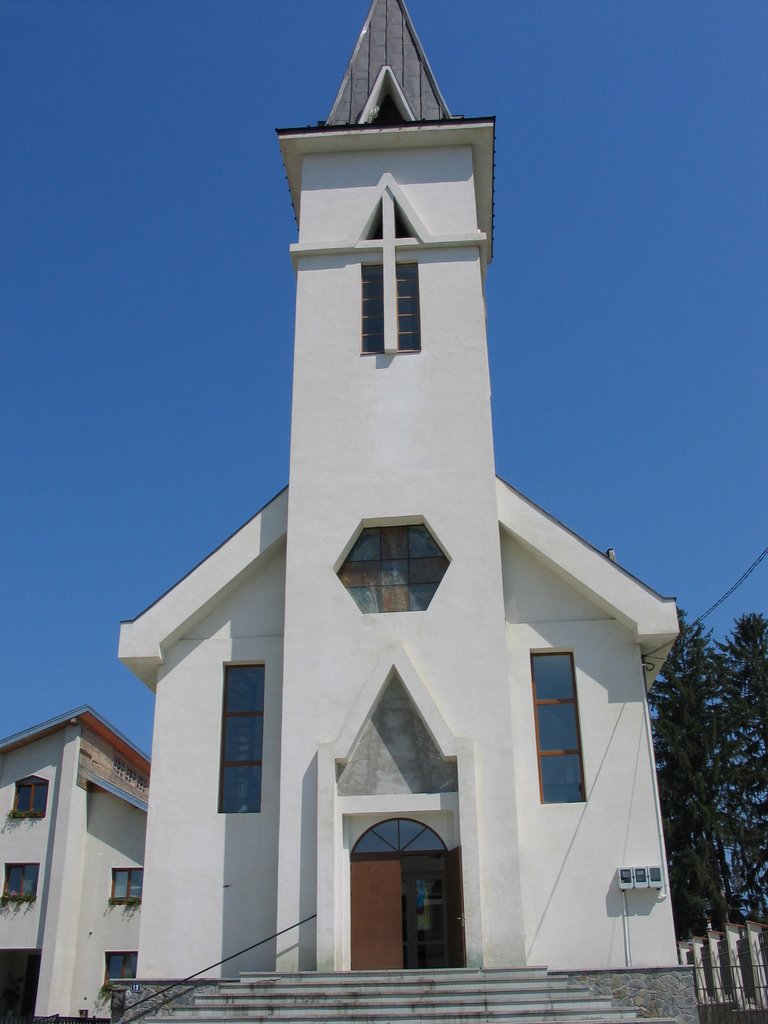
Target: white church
<point x="402" y="704"/>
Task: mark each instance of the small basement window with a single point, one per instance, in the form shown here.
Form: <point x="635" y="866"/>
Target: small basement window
<point x="120" y="965"/>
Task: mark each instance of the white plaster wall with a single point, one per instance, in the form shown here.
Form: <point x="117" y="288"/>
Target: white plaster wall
<point x="63" y="882"/>
<point x="378" y="437"/>
<point x="210" y="878"/>
<point x="569" y="853"/>
<point x="114" y="839"/>
<point x="338" y="193"/>
<point x="27" y="841"/>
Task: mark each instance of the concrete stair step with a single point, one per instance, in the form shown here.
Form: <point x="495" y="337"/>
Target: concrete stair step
<point x="361" y="977"/>
<point x="576" y="1002"/>
<point x="251" y="994"/>
<point x="528" y="995"/>
<point x="476" y="1016"/>
<point x="409" y="985"/>
<point x="299" y="1007"/>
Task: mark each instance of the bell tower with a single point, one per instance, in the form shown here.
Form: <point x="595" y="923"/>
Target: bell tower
<point x="393" y="567"/>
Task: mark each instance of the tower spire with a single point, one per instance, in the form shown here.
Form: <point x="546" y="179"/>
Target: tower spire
<point x="388" y="78"/>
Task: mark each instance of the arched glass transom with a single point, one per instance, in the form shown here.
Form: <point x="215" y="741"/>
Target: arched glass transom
<point x="399" y="835"/>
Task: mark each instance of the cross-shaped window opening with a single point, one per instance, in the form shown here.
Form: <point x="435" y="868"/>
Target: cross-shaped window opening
<point x="390" y="290"/>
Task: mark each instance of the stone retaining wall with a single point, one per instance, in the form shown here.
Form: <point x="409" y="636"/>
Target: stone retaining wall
<point x="653" y="992"/>
<point x="153" y="997"/>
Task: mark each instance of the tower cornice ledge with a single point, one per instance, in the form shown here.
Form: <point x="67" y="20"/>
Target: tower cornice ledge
<point x="479" y="133"/>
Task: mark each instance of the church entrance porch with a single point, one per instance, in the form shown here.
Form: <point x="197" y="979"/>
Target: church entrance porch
<point x="405" y="899"/>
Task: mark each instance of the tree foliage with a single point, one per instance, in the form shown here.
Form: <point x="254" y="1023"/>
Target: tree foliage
<point x="710" y="718"/>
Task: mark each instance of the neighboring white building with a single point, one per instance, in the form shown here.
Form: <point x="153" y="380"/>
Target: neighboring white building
<point x="402" y="697"/>
<point x="73" y="795"/>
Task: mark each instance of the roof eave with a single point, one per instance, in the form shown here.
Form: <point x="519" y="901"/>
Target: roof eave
<point x="84" y="715"/>
<point x="651" y="618"/>
<point x="145" y="639"/>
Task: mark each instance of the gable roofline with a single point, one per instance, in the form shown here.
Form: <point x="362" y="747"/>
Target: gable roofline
<point x="651" y="617"/>
<point x="143" y="640"/>
<point x="204" y="559"/>
<point x="83" y="715"/>
<point x="375" y="36"/>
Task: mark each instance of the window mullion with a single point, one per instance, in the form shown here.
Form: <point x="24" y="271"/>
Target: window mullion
<point x="389" y="272"/>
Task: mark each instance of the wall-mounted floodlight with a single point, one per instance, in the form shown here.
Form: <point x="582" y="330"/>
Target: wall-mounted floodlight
<point x="640" y="878"/>
<point x="625" y="878"/>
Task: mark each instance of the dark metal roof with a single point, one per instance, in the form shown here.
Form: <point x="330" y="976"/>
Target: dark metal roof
<point x="329" y="129"/>
<point x="388" y="39"/>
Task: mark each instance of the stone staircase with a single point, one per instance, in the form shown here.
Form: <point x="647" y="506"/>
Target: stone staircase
<point x="527" y="995"/>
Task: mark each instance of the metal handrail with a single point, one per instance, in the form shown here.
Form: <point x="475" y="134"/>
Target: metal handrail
<point x="189" y="977"/>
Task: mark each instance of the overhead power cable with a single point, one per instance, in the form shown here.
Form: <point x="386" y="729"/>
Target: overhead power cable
<point x="731" y="590"/>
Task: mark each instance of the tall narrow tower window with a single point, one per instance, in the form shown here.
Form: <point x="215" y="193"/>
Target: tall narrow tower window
<point x="373" y="308"/>
<point x="407" y="298"/>
<point x="408" y="328"/>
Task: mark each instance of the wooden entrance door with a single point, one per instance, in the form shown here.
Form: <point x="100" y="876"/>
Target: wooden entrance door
<point x="454" y="909"/>
<point x="377" y="935"/>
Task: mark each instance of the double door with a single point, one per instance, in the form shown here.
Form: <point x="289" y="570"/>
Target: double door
<point x="406" y="911"/>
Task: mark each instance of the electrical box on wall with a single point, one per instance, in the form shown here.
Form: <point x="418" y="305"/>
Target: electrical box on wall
<point x="625" y="878"/>
<point x="640" y="878"/>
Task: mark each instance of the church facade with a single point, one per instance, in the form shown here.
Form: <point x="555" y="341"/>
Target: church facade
<point x="401" y="714"/>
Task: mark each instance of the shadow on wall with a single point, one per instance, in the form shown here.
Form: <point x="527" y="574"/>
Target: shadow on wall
<point x="308" y="880"/>
<point x="249" y="873"/>
<point x="640" y="902"/>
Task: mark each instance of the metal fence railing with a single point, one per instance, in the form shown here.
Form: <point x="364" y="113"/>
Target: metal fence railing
<point x="730" y="971"/>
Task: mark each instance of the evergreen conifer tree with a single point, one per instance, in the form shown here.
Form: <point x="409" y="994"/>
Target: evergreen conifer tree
<point x="684" y="706"/>
<point x="743" y="670"/>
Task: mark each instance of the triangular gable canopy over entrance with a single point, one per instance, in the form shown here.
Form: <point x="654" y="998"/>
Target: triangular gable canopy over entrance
<point x="406" y="91"/>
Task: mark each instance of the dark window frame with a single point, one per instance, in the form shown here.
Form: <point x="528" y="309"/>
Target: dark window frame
<point x="416" y="573"/>
<point x="408" y="323"/>
<point x="124" y="953"/>
<point x="227" y="716"/>
<point x="32" y="784"/>
<point x="545" y="702"/>
<point x="9" y="867"/>
<point x="372" y="308"/>
<point x="129" y="897"/>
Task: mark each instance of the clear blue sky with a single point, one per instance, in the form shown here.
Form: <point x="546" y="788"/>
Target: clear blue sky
<point x="147" y="295"/>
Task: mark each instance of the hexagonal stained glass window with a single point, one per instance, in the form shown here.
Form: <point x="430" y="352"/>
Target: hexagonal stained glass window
<point x="394" y="569"/>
